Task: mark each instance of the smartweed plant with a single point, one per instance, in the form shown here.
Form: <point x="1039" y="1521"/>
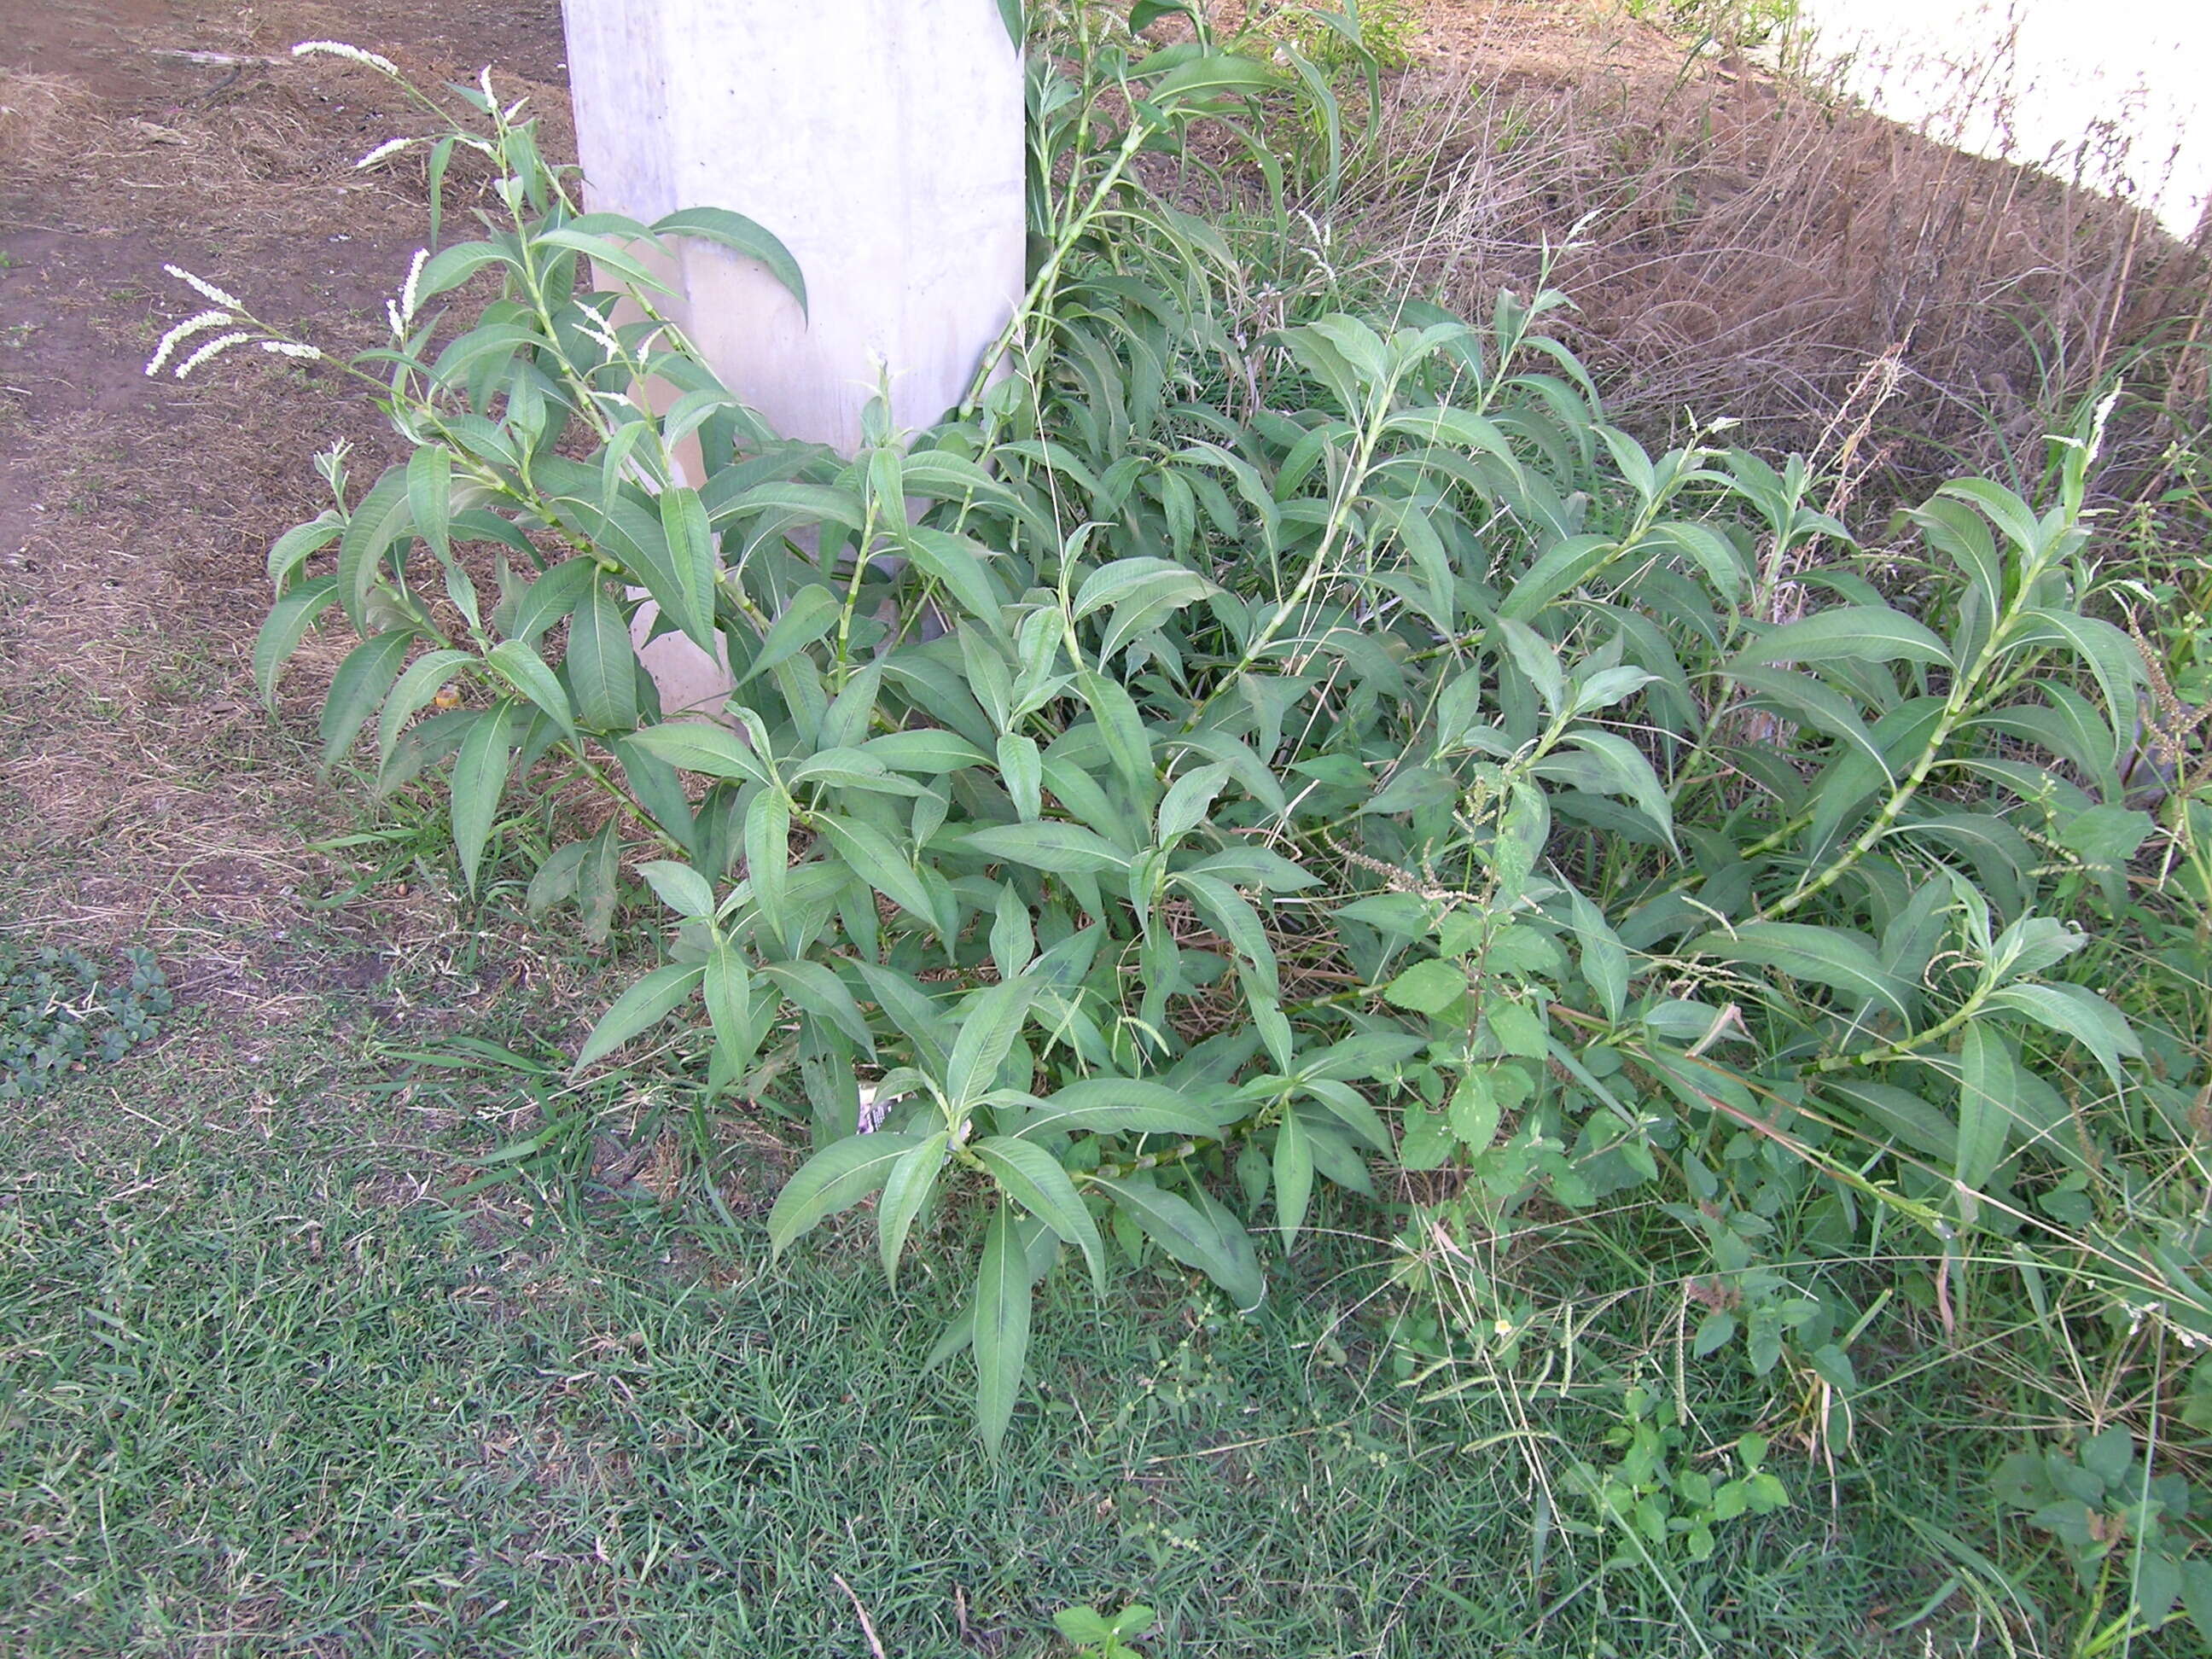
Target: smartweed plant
<point x="1334" y="749"/>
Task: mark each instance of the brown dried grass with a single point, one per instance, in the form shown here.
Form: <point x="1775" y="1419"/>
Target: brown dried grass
<point x="1742" y="245"/>
<point x="39" y="115"/>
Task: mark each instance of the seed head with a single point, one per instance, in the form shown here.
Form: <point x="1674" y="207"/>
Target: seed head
<point x="206" y="288"/>
<point x="407" y="293"/>
<point x="381" y="65"/>
<point x="292" y="349"/>
<point x="214" y="348"/>
<point x="181" y="332"/>
<point x="389" y="147"/>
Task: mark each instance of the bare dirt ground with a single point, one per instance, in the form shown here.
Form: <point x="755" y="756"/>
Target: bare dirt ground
<point x="143" y="791"/>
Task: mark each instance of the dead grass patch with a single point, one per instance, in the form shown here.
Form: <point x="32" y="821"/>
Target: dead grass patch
<point x="1744" y="246"/>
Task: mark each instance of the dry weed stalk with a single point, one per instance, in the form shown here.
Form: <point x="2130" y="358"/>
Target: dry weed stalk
<point x="1747" y="246"/>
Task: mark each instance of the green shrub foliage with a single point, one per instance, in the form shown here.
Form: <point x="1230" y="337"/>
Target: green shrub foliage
<point x="1255" y="746"/>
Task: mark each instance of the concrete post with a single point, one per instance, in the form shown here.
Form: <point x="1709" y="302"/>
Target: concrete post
<point x="882" y="140"/>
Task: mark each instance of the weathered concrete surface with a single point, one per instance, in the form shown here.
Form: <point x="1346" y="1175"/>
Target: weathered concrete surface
<point x="882" y="140"/>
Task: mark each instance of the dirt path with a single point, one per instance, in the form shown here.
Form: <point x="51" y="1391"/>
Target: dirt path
<point x="143" y="793"/>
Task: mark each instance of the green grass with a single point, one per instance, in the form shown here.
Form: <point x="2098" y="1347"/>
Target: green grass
<point x="267" y="1387"/>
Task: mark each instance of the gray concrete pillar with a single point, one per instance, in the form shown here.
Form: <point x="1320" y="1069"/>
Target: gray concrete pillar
<point x="882" y="140"/>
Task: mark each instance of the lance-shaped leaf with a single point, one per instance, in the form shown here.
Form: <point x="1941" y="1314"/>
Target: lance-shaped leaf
<point x="907" y="1193"/>
<point x="1194" y="1238"/>
<point x="988" y="1026"/>
<point x="1835" y="957"/>
<point x="835" y="1179"/>
<point x="1033" y="1178"/>
<point x="480" y="769"/>
<point x="644" y="1005"/>
<point x="1001" y="1331"/>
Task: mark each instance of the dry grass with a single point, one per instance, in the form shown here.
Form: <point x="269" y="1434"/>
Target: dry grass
<point x="38" y="113"/>
<point x="144" y="794"/>
<point x="1746" y="247"/>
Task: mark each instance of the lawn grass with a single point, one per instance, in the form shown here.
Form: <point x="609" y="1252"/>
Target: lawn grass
<point x="269" y="1386"/>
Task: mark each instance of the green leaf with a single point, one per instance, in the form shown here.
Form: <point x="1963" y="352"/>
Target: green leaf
<point x="738" y="1015"/>
<point x="555" y="879"/>
<point x="1629" y="774"/>
<point x="1902" y="1113"/>
<point x="927" y="750"/>
<point x="429" y="496"/>
<point x="1474" y="1111"/>
<point x="958" y="562"/>
<point x="2010" y="514"/>
<point x="683" y="889"/>
<point x="1064" y="849"/>
<point x="835" y="1179"/>
<point x="1189" y="1237"/>
<point x="2111" y="656"/>
<point x="1153" y="578"/>
<point x="602" y="662"/>
<point x="1986" y="1086"/>
<point x="359" y="686"/>
<point x="852" y="768"/>
<point x="382" y="518"/>
<point x="644" y="1005"/>
<point x="424" y="679"/>
<point x="740" y="235"/>
<point x="2074" y="1012"/>
<point x="1033" y="1178"/>
<point x="293" y="548"/>
<point x="288" y="623"/>
<point x="806" y="617"/>
<point x="696" y="746"/>
<point x="1559" y="571"/>
<point x="768" y="858"/>
<point x="522" y="668"/>
<point x="907" y="1193"/>
<point x="1002" y="1329"/>
<point x="693" y="562"/>
<point x="1198" y="81"/>
<point x="1537" y="660"/>
<point x="617" y="266"/>
<point x="988" y="1026"/>
<point x="1118" y="1105"/>
<point x="1428" y="988"/>
<point x="1293" y="1171"/>
<point x="870" y="855"/>
<point x="1238" y="922"/>
<point x="1013" y="936"/>
<point x="455" y="266"/>
<point x="479" y="779"/>
<point x="1021" y="769"/>
<point x="550" y="597"/>
<point x="1854" y="633"/>
<point x="1188" y="800"/>
<point x="1247" y="865"/>
<point x="1123" y="727"/>
<point x="1835" y="957"/>
<point x="819" y="991"/>
<point x="1082" y="1625"/>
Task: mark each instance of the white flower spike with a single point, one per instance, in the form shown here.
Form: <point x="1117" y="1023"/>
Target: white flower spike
<point x="292" y="349"/>
<point x="389" y="147"/>
<point x="352" y="54"/>
<point x="180" y="333"/>
<point x="408" y="296"/>
<point x="214" y="348"/>
<point x="206" y="288"/>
